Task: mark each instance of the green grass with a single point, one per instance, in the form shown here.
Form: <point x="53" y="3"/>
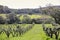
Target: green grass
<point x="37" y="16"/>
<point x="36" y="33"/>
<point x="31" y="16"/>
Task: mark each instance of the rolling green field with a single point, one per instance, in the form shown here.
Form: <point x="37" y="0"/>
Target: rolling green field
<point x="31" y="16"/>
<point x="36" y="33"/>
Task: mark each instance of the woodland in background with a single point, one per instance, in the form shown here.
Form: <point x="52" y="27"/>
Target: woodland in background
<point x="53" y="11"/>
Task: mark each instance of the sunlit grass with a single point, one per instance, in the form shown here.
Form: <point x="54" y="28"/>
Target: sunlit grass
<point x="36" y="33"/>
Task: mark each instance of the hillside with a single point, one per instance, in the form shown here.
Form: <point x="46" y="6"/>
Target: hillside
<point x="5" y="9"/>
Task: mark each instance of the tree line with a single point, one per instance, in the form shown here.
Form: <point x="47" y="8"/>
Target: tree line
<point x="53" y="11"/>
<point x="7" y="10"/>
<point x="14" y="18"/>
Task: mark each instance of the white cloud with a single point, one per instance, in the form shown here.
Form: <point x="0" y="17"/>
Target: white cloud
<point x="28" y="3"/>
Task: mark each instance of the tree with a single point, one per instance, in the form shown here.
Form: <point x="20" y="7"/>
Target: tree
<point x="6" y="9"/>
<point x="12" y="18"/>
<point x="56" y="16"/>
<point x="55" y="13"/>
<point x="1" y="9"/>
<point x="2" y="21"/>
<point x="26" y="19"/>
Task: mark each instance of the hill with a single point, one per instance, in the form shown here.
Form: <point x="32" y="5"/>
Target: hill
<point x="5" y="10"/>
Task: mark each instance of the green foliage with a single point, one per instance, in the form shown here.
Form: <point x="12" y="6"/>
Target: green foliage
<point x="36" y="33"/>
<point x="26" y="19"/>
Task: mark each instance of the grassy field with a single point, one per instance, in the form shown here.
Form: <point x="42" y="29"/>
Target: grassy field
<point x="31" y="16"/>
<point x="36" y="33"/>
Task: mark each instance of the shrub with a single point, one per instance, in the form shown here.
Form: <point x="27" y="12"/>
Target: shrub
<point x="26" y="19"/>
